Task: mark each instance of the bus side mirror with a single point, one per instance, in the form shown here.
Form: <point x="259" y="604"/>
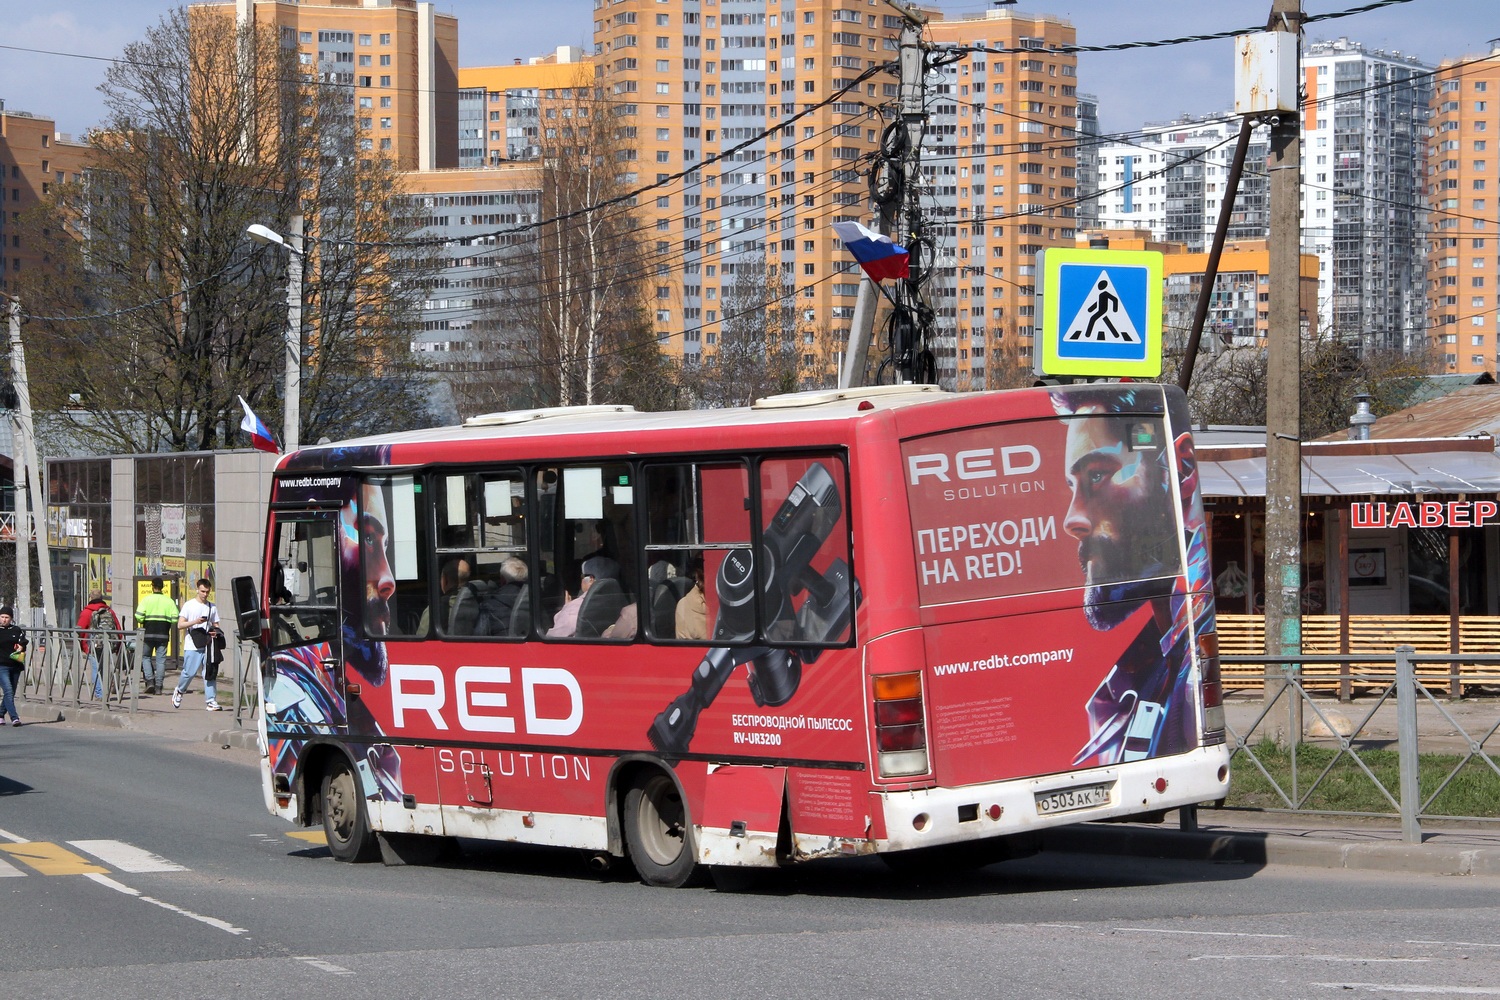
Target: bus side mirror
<point x="246" y="606"/>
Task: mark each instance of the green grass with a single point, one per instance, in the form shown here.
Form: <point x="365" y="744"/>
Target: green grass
<point x="1474" y="791"/>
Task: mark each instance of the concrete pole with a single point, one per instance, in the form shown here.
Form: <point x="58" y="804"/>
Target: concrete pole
<point x="1283" y="575"/>
<point x="292" y="406"/>
<point x="33" y="466"/>
<point x="22" y="514"/>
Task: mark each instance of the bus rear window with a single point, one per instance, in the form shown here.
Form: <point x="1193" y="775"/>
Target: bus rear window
<point x="1041" y="505"/>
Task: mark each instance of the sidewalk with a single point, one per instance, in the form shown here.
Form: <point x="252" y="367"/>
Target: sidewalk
<point x="1222" y="837"/>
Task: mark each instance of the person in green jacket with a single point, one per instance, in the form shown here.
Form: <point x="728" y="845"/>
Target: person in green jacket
<point x="156" y="616"/>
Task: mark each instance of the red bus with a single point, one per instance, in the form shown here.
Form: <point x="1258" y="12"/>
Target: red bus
<point x="890" y="621"/>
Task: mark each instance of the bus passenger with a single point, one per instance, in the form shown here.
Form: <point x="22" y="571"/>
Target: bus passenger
<point x="692" y="610"/>
<point x="596" y="568"/>
<point x="453" y="575"/>
<point x="482" y="607"/>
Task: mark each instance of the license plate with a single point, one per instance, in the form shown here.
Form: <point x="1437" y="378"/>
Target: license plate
<point x="1069" y="799"/>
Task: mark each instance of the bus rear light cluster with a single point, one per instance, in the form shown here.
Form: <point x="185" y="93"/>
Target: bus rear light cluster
<point x="1213" y="687"/>
<point x="900" y="729"/>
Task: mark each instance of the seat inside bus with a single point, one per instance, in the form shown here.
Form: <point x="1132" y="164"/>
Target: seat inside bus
<point x="602" y="604"/>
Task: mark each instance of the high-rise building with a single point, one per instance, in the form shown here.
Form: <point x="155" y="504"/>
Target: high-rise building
<point x="1172" y="178"/>
<point x="1364" y="164"/>
<point x="34" y="158"/>
<point x="398" y="57"/>
<point x="1463" y="266"/>
<point x="500" y="107"/>
<point x="1089" y="138"/>
<point x="778" y="91"/>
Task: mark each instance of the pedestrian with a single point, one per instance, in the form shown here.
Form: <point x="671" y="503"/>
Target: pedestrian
<point x="156" y="615"/>
<point x="199" y="623"/>
<point x="96" y="622"/>
<point x="12" y="663"/>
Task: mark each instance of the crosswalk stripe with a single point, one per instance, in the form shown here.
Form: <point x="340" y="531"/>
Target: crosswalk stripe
<point x="52" y="859"/>
<point x="125" y="857"/>
<point x="8" y="870"/>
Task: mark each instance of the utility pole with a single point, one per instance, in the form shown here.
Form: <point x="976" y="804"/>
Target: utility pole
<point x="33" y="472"/>
<point x="895" y="183"/>
<point x="1283" y="575"/>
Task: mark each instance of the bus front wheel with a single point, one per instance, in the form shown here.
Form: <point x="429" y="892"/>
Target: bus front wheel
<point x="346" y="824"/>
<point x="659" y="832"/>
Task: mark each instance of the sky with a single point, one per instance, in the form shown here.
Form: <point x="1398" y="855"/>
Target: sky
<point x="77" y="37"/>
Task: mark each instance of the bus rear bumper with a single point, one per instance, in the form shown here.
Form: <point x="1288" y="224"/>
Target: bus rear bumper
<point x="935" y="816"/>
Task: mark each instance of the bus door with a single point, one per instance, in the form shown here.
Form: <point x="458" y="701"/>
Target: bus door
<point x="308" y="690"/>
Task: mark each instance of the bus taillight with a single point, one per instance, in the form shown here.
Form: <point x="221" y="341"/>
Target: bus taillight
<point x="1213" y="687"/>
<point x="900" y="731"/>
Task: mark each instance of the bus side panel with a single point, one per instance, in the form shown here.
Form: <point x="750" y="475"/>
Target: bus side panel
<point x="828" y="803"/>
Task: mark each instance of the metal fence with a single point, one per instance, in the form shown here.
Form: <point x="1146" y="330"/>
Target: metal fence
<point x="1402" y="744"/>
<point x="67" y="667"/>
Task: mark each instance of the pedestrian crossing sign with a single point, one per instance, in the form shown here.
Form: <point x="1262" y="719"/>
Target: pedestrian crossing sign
<point x="1101" y="313"/>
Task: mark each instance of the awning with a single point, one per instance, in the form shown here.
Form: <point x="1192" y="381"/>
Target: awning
<point x="1358" y="475"/>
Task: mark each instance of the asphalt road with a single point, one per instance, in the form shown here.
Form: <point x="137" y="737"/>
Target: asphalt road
<point x="200" y="893"/>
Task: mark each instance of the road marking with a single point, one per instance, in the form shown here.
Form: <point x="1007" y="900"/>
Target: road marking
<point x="52" y="859"/>
<point x="1308" y="958"/>
<point x="222" y="925"/>
<point x="126" y="858"/>
<point x="311" y="836"/>
<point x="1168" y="930"/>
<point x="8" y="870"/>
<point x="1459" y="944"/>
<point x="7" y="835"/>
<point x="1449" y="991"/>
<point x="318" y="963"/>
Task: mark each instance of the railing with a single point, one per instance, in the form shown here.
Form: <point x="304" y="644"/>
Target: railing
<point x="1242" y="637"/>
<point x="1295" y="753"/>
<point x="59" y="671"/>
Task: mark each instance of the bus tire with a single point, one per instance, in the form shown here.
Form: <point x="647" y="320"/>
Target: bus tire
<point x="659" y="832"/>
<point x="346" y="823"/>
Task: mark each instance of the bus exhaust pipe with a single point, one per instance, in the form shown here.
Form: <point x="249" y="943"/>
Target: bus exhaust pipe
<point x="599" y="863"/>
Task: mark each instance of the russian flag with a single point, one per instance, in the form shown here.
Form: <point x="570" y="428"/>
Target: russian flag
<point x="260" y="434"/>
<point x="877" y="254"/>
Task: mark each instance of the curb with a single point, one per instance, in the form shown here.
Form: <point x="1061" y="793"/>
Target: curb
<point x="34" y="713"/>
<point x="239" y="739"/>
<point x="1256" y="848"/>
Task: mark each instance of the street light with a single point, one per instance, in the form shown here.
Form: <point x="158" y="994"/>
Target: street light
<point x="291" y="414"/>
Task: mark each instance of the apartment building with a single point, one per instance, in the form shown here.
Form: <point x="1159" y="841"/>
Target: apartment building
<point x="1171" y="179"/>
<point x="775" y="89"/>
<point x="34" y="157"/>
<point x="1463" y="264"/>
<point x="399" y="58"/>
<point x="500" y="107"/>
<point x="1239" y="306"/>
<point x="1364" y="157"/>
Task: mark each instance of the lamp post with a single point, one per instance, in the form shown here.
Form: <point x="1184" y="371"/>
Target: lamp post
<point x="291" y="410"/>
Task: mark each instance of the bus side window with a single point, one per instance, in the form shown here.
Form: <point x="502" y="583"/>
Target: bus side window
<point x="588" y="512"/>
<point x="804" y="519"/>
<point x="481" y="553"/>
<point x="695" y="516"/>
<point x="394" y="522"/>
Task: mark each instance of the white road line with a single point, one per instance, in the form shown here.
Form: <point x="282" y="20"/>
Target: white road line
<point x="118" y="854"/>
<point x="1168" y="930"/>
<point x="318" y="963"/>
<point x="10" y="871"/>
<point x="1386" y="988"/>
<point x="7" y="835"/>
<point x="1460" y="944"/>
<point x="222" y="925"/>
<point x="1308" y="958"/>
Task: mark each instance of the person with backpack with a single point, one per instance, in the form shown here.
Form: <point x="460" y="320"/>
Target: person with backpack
<point x="12" y="663"/>
<point x="98" y="636"/>
<point x="199" y="624"/>
<point x="156" y="615"/>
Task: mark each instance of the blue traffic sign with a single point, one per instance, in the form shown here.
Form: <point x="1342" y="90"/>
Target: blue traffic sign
<point x="1101" y="313"/>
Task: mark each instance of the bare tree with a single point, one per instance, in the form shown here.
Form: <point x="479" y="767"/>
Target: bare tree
<point x="757" y="348"/>
<point x="210" y="128"/>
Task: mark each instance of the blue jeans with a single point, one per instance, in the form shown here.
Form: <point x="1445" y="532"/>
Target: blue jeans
<point x="154" y="661"/>
<point x="8" y="678"/>
<point x="192" y="662"/>
<point x="94" y="670"/>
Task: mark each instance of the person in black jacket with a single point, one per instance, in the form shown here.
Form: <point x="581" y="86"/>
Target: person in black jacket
<point x="12" y="663"/>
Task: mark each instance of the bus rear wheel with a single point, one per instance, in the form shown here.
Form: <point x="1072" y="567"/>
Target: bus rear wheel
<point x="659" y="832"/>
<point x="346" y="824"/>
